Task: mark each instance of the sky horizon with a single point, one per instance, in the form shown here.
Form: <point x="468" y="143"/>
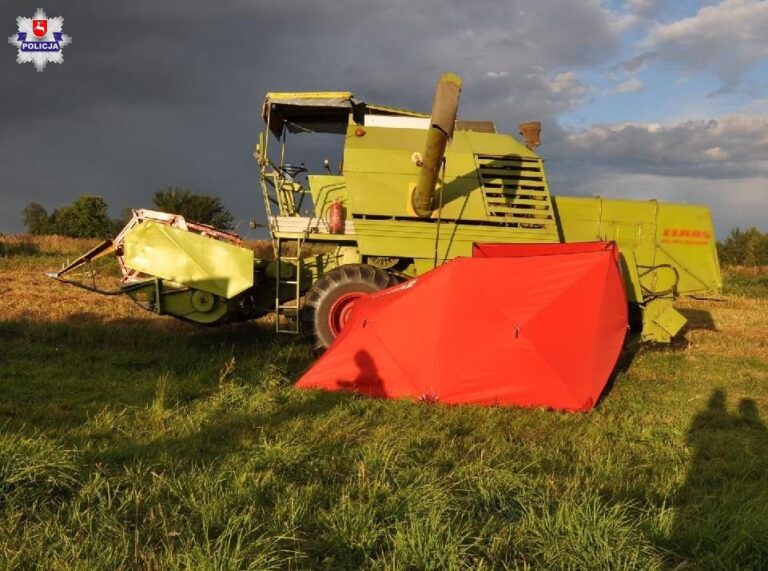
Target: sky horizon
<point x="638" y="99"/>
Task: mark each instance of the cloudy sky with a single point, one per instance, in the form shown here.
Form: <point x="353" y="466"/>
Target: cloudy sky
<point x="638" y="98"/>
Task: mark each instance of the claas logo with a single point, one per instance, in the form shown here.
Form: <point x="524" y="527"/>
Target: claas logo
<point x="688" y="236"/>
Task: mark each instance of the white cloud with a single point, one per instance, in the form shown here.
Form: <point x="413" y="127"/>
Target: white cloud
<point x="633" y="13"/>
<point x="628" y="86"/>
<point x="567" y="89"/>
<point x="732" y="147"/>
<point x="622" y="22"/>
<point x="716" y="154"/>
<point x="565" y="81"/>
<point x="727" y="38"/>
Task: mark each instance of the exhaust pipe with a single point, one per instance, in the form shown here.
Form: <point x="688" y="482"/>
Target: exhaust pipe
<point x="531" y="134"/>
<point x="443" y="120"/>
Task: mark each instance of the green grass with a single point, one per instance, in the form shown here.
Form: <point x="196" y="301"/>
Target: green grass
<point x="740" y="283"/>
<point x="131" y="441"/>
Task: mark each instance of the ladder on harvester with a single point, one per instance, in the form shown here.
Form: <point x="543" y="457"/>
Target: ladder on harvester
<point x="291" y="307"/>
<point x="289" y="268"/>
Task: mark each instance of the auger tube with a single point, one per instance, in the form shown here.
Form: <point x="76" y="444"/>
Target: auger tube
<point x="441" y="124"/>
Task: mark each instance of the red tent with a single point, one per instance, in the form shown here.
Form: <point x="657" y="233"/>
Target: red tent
<point x="526" y="325"/>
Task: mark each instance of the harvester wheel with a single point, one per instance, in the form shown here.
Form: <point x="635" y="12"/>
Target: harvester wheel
<point x="328" y="303"/>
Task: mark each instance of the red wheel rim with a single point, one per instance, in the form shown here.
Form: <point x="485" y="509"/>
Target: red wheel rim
<point x="341" y="310"/>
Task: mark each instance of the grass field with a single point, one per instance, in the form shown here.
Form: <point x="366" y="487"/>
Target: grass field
<point x="133" y="441"/>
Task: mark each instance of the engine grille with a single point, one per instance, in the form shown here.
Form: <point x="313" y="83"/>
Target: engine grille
<point x="515" y="191"/>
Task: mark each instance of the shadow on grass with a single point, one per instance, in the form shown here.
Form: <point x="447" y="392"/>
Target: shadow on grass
<point x="628" y="353"/>
<point x="18" y="248"/>
<point x="225" y="432"/>
<point x="124" y="333"/>
<point x="698" y="319"/>
<point x="722" y="508"/>
<point x="57" y="375"/>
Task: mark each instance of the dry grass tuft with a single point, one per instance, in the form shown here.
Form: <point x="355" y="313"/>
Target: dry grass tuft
<point x="27" y="245"/>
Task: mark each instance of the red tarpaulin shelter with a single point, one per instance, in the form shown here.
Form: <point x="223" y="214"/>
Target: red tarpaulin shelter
<point x="518" y="324"/>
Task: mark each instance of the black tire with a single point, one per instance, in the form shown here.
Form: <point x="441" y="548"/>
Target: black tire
<point x="331" y="294"/>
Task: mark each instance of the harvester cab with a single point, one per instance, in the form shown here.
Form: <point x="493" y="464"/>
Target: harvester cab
<point x="412" y="191"/>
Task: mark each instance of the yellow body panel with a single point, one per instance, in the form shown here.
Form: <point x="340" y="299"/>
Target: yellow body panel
<point x="190" y="259"/>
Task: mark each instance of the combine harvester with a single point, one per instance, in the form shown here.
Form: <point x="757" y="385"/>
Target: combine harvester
<point x="412" y="192"/>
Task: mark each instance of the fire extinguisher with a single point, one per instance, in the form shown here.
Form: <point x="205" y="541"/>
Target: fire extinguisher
<point x="336" y="218"/>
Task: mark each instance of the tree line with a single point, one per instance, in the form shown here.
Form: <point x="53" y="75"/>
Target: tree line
<point x="744" y="248"/>
<point x="88" y="215"/>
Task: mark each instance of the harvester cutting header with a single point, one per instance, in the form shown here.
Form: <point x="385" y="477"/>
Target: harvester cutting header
<point x="413" y="191"/>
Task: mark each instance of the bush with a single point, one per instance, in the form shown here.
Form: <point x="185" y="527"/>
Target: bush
<point x="86" y="217"/>
<point x="36" y="219"/>
<point x="744" y="248"/>
<point x="195" y="207"/>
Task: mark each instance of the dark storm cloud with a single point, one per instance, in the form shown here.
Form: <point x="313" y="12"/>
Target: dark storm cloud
<point x="168" y="93"/>
<point x="142" y="53"/>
